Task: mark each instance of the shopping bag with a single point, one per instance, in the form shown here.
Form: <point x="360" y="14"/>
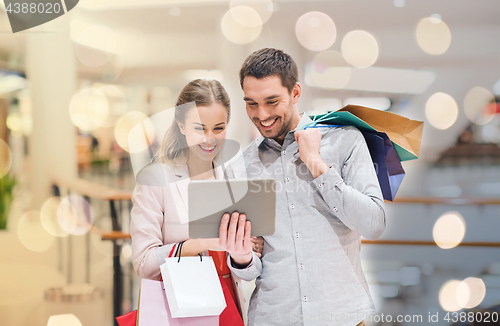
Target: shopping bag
<point x="128" y="319"/>
<point x="405" y="134"/>
<point x="153" y="309"/>
<point x="192" y="287"/>
<point x="389" y="170"/>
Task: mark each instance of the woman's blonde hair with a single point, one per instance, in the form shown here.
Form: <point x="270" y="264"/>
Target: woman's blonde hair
<point x="200" y="92"/>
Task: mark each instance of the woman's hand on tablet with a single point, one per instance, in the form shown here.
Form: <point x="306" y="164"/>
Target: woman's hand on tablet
<point x="234" y="237"/>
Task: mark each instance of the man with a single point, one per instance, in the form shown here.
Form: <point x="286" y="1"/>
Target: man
<point x="327" y="197"/>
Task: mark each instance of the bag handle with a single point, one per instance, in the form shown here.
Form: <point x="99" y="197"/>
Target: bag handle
<point x="180" y="250"/>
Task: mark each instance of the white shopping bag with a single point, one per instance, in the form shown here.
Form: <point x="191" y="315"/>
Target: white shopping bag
<point x="192" y="287"/>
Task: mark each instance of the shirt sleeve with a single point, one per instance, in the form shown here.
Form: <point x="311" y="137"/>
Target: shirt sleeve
<point x="355" y="197"/>
<point x="165" y="251"/>
<point x="251" y="272"/>
<point x="145" y="229"/>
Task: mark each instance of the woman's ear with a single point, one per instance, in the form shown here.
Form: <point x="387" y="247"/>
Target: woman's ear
<point x="181" y="128"/>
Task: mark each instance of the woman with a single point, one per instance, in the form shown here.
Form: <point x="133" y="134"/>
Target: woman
<point x="189" y="151"/>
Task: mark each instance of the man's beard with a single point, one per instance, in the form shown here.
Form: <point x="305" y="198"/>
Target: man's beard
<point x="284" y="127"/>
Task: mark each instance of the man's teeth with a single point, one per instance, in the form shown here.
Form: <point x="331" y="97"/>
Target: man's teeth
<point x="207" y="148"/>
<point x="267" y="124"/>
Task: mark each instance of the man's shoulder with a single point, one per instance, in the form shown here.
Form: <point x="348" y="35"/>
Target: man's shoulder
<point x="251" y="151"/>
<point x="244" y="158"/>
<point x="344" y="134"/>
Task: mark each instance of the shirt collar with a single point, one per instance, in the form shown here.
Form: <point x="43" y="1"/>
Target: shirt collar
<point x="303" y="121"/>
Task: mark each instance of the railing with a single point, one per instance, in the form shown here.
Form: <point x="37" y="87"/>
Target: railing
<point x="90" y="190"/>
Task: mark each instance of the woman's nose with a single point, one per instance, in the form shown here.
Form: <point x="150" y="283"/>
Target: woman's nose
<point x="209" y="135"/>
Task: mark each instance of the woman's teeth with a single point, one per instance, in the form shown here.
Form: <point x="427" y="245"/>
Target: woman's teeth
<point x="207" y="148"/>
<point x="267" y="124"/>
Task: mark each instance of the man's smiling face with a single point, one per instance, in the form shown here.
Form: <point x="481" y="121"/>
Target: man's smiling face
<point x="270" y="106"/>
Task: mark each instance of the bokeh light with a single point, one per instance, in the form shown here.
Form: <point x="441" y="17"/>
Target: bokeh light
<point x="5" y="158"/>
<point x="433" y="35"/>
<point x="49" y="217"/>
<point x="263" y="7"/>
<point x="117" y="102"/>
<point x="125" y="125"/>
<point x="451" y="294"/>
<point x="246" y="16"/>
<point x="64" y="320"/>
<point x="449" y="230"/>
<point x="98" y="107"/>
<point x="15" y="124"/>
<point x="436" y="18"/>
<point x="316" y="31"/>
<point x="360" y="49"/>
<point x="75" y="215"/>
<point x="96" y="45"/>
<point x="462" y="294"/>
<point x="477" y="291"/>
<point x="441" y="110"/>
<point x="476" y="105"/>
<point x="89" y="109"/>
<point x="329" y="70"/>
<point x="126" y="253"/>
<point x="243" y="29"/>
<point x="32" y="234"/>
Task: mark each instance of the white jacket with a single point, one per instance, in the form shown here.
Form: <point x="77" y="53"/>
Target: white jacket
<point x="159" y="219"/>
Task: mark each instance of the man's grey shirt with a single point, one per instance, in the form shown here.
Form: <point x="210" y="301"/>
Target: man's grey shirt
<point x="310" y="271"/>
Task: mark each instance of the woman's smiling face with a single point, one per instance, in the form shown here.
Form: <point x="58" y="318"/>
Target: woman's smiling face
<point x="205" y="130"/>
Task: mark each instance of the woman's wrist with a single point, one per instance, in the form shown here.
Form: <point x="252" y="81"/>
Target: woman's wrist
<point x="242" y="261"/>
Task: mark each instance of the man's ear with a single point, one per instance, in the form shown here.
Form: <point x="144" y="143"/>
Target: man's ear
<point x="296" y="92"/>
<point x="181" y="128"/>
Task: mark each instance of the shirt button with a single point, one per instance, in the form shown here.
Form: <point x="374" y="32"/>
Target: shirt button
<point x="292" y="206"/>
<point x="305" y="299"/>
<point x="335" y="209"/>
<point x="301" y="266"/>
<point x="284" y="152"/>
<point x="296" y="234"/>
<point x="287" y="179"/>
<point x="321" y="185"/>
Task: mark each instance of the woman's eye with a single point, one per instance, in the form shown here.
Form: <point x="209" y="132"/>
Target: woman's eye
<point x="199" y="128"/>
<point x="219" y="128"/>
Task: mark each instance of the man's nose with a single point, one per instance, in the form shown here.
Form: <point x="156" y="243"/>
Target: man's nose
<point x="263" y="113"/>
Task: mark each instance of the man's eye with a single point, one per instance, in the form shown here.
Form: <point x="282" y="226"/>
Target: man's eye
<point x="272" y="103"/>
<point x="252" y="104"/>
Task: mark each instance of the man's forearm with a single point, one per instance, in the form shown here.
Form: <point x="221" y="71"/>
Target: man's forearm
<point x="317" y="166"/>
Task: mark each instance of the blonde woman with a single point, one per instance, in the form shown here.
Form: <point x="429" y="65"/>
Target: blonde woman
<point x="189" y="151"/>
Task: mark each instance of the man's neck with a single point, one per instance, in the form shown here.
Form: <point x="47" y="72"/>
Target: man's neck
<point x="295" y="122"/>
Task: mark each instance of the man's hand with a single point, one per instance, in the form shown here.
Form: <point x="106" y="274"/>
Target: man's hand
<point x="235" y="238"/>
<point x="258" y="245"/>
<point x="309" y="141"/>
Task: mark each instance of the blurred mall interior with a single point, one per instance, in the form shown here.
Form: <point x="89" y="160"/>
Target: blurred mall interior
<point x="71" y="90"/>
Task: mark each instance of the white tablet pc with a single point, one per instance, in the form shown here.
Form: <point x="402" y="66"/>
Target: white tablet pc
<point x="210" y="199"/>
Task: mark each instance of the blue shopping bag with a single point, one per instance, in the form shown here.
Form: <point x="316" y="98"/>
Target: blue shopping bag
<point x="390" y="172"/>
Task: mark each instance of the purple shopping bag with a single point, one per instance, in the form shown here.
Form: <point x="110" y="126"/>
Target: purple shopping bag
<point x="388" y="166"/>
<point x="153" y="309"/>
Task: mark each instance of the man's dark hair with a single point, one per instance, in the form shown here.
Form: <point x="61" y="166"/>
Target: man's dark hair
<point x="271" y="62"/>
